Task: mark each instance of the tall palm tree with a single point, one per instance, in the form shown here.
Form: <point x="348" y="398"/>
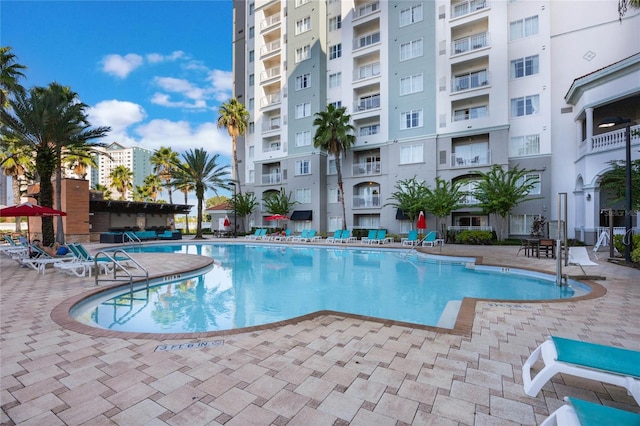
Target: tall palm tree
<point x="79" y="160"/>
<point x="106" y="194"/>
<point x="121" y="180"/>
<point x="15" y="159"/>
<point x="334" y="134"/>
<point x="10" y="72"/>
<point x="47" y="120"/>
<point x="154" y="185"/>
<point x="235" y="118"/>
<point x="203" y="173"/>
<point x="163" y="160"/>
<point x="185" y="189"/>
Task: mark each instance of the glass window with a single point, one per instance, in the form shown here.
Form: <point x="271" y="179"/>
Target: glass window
<point x="411" y="119"/>
<point x="303" y="81"/>
<point x="252" y="32"/>
<point x="252" y="127"/>
<point x="523" y="67"/>
<point x="523" y="28"/>
<point x="336" y="104"/>
<point x="335" y="51"/>
<point x="335" y="79"/>
<point x="521" y="224"/>
<point x="301" y="2"/>
<point x="411" y="49"/>
<point x="372" y="129"/>
<point x="303" y="167"/>
<point x="252" y="150"/>
<point x="252" y="79"/>
<point x="303" y="25"/>
<point x="521" y="146"/>
<point x="303" y="138"/>
<point x="251" y="104"/>
<point x="526" y="105"/>
<point x="303" y="195"/>
<point x="303" y="53"/>
<point x="303" y="110"/>
<point x="252" y="8"/>
<point x="331" y="165"/>
<point x="411" y="84"/>
<point x="335" y="23"/>
<point x="411" y="154"/>
<point x="252" y="54"/>
<point x="333" y="195"/>
<point x="252" y="176"/>
<point x="535" y="178"/>
<point x="411" y="15"/>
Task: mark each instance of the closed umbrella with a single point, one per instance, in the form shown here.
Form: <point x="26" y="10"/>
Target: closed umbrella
<point x="422" y="222"/>
<point x="29" y="210"/>
<point x="227" y="222"/>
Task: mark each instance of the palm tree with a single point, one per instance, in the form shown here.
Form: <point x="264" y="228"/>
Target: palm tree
<point x="121" y="180"/>
<point x="203" y="173"/>
<point x="624" y="4"/>
<point x="334" y="134"/>
<point x="185" y="188"/>
<point x="79" y="160"/>
<point x="234" y="116"/>
<point x="154" y="186"/>
<point x="163" y="160"/>
<point x="10" y="72"/>
<point x="106" y="194"/>
<point x="15" y="159"/>
<point x="47" y="120"/>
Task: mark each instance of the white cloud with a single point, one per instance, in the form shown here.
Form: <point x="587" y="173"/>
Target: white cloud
<point x="178" y="85"/>
<point x="119" y="115"/>
<point x="154" y="58"/>
<point x="121" y="66"/>
<point x="163" y="99"/>
<point x="221" y="84"/>
<point x="180" y="136"/>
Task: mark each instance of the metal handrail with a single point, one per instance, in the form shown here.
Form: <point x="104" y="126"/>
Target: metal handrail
<point x="118" y="266"/>
<point x="132" y="237"/>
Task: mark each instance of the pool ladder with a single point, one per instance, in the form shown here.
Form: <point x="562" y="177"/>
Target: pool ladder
<point x="131" y="237"/>
<point x="118" y="263"/>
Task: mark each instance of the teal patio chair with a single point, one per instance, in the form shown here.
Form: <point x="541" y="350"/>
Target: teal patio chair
<point x="411" y="240"/>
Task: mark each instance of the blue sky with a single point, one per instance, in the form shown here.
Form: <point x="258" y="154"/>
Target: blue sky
<point x="154" y="71"/>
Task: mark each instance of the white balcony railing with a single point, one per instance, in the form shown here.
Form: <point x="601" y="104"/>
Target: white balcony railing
<point x="466" y="160"/>
<point x="272" y="179"/>
<point x="467" y="44"/>
<point x="366" y="71"/>
<point x="364" y="104"/>
<point x="270" y="99"/>
<point x="367" y="9"/>
<point x="366" y="40"/>
<point x="466" y="7"/>
<point x="270" y="47"/>
<point x="270" y="73"/>
<point x="366" y="169"/>
<point x="470" y="113"/>
<point x="366" y="201"/>
<point x="270" y="21"/>
<point x="613" y="140"/>
<point x="470" y="81"/>
<point x="271" y="125"/>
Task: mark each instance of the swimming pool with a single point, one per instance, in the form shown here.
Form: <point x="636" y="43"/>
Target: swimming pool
<point x="256" y="284"/>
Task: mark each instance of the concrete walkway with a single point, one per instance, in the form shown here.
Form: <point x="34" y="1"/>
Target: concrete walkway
<point x="328" y="370"/>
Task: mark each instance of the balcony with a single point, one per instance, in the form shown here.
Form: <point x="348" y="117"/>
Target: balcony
<point x="366" y="71"/>
<point x="469" y="44"/>
<point x="270" y="22"/>
<point x="366" y="201"/>
<point x="470" y="81"/>
<point x="270" y="100"/>
<point x="272" y="179"/>
<point x="366" y="40"/>
<point x="470" y="160"/>
<point x="272" y="147"/>
<point x="470" y="113"/>
<point x="367" y="103"/>
<point x="366" y="169"/>
<point x="270" y="48"/>
<point x="613" y="140"/>
<point x="269" y="74"/>
<point x="466" y="7"/>
<point x="271" y="125"/>
<point x="366" y="9"/>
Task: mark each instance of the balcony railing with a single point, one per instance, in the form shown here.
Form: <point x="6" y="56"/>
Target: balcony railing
<point x="269" y="74"/>
<point x="613" y="140"/>
<point x="270" y="125"/>
<point x="271" y="99"/>
<point x="366" y="40"/>
<point x="367" y="9"/>
<point x="466" y="7"/>
<point x="366" y="201"/>
<point x="466" y="160"/>
<point x="470" y="81"/>
<point x="366" y="71"/>
<point x="270" y="21"/>
<point x="368" y="103"/>
<point x="470" y="113"/>
<point x="272" y="147"/>
<point x="467" y="44"/>
<point x="270" y="47"/>
<point x="272" y="179"/>
<point x="366" y="169"/>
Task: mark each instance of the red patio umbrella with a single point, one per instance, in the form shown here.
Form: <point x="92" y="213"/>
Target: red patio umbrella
<point x="227" y="222"/>
<point x="277" y="217"/>
<point x="29" y="210"/>
<point x="422" y="222"/>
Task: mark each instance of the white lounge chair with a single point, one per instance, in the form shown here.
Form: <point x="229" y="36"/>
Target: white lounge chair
<point x="607" y="364"/>
<point x="582" y="413"/>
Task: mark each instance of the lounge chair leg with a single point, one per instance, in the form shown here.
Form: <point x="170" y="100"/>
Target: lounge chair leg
<point x="532" y="386"/>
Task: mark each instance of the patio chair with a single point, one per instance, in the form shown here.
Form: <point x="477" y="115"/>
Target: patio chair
<point x="608" y="364"/>
<point x="43" y="259"/>
<point x="254" y="235"/>
<point x="302" y="237"/>
<point x="431" y="240"/>
<point x="381" y="237"/>
<point x="411" y="240"/>
<point x="370" y="237"/>
<point x="311" y="235"/>
<point x="346" y="237"/>
<point x="285" y="237"/>
<point x="582" y="413"/>
<point x="336" y="237"/>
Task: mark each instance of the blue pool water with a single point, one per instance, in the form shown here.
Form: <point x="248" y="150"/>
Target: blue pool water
<point x="259" y="284"/>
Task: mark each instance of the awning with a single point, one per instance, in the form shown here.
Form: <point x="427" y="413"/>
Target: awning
<point x="302" y="215"/>
<point x="401" y="215"/>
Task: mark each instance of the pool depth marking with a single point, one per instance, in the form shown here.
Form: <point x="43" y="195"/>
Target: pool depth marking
<point x="182" y="346"/>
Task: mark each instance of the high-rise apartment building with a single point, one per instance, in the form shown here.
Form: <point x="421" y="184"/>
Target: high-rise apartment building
<point x="435" y="89"/>
<point x="136" y="159"/>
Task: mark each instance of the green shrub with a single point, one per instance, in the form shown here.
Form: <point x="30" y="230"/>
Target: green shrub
<point x="474" y="237"/>
<point x="619" y="245"/>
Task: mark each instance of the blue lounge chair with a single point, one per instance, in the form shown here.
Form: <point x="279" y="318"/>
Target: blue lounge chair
<point x="411" y="240"/>
<point x="607" y="364"/>
<point x="582" y="413"/>
<point x="302" y="237"/>
<point x="285" y="237"/>
<point x="311" y="236"/>
<point x="432" y="240"/>
<point x="370" y="237"/>
<point x="336" y="237"/>
<point x="43" y="259"/>
<point x="382" y="238"/>
<point x="254" y="235"/>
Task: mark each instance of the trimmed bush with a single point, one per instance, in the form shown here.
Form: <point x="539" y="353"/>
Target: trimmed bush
<point x="619" y="245"/>
<point x="474" y="237"/>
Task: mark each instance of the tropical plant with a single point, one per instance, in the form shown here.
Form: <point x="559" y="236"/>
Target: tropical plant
<point x="537" y="227"/>
<point x="215" y="201"/>
<point x="163" y="160"/>
<point x="203" y="173"/>
<point x="14" y="161"/>
<point x="153" y="185"/>
<point x="334" y="134"/>
<point x="409" y="196"/>
<point x="615" y="180"/>
<point x="233" y="116"/>
<point x="243" y="205"/>
<point x="443" y="199"/>
<point x="498" y="191"/>
<point x="279" y="203"/>
<point x="106" y="193"/>
<point x="141" y="193"/>
<point x="121" y="180"/>
<point x="185" y="188"/>
<point x="79" y="160"/>
<point x="47" y="120"/>
<point x="10" y="72"/>
<point x="623" y="5"/>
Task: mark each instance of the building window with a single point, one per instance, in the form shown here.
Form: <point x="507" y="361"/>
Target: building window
<point x="535" y="179"/>
<point x="521" y="224"/>
<point x="335" y="51"/>
<point x="251" y="104"/>
<point x="522" y="146"/>
<point x="335" y="79"/>
<point x="411" y="15"/>
<point x="335" y="23"/>
<point x="252" y="54"/>
<point x="303" y="196"/>
<point x="336" y="104"/>
<point x="301" y="2"/>
<point x="303" y="167"/>
<point x="409" y="50"/>
<point x="252" y="151"/>
<point x="252" y="79"/>
<point x="524" y="66"/>
<point x="303" y="138"/>
<point x="411" y="119"/>
<point x="523" y="28"/>
<point x="252" y="32"/>
<point x="526" y="105"/>
<point x="333" y="196"/>
<point x="303" y="81"/>
<point x="372" y="129"/>
<point x="331" y="167"/>
<point x="252" y="8"/>
<point x="252" y="176"/>
<point x="303" y="53"/>
<point x="411" y="154"/>
<point x="303" y="25"/>
<point x="252" y="127"/>
<point x="303" y="110"/>
<point x="411" y="84"/>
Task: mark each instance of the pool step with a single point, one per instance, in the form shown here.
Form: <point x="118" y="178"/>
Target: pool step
<point x="450" y="314"/>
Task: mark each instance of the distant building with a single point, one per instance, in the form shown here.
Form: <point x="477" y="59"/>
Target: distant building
<point x="136" y="159"/>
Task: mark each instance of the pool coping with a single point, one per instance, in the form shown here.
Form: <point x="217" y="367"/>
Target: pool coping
<point x="61" y="313"/>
